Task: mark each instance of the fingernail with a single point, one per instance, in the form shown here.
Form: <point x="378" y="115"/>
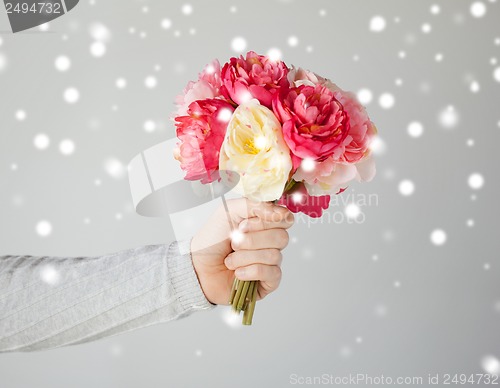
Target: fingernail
<point x="228" y="262"/>
<point x="240" y="272"/>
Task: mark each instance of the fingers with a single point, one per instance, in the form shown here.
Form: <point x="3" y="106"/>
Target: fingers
<point x="268" y="274"/>
<point x="262" y="239"/>
<point x="244" y="258"/>
<point x="282" y="220"/>
<point x="242" y="208"/>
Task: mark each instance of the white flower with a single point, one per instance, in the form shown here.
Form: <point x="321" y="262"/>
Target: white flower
<point x="254" y="148"/>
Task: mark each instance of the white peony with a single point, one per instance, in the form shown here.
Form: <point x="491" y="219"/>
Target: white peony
<point x="254" y="148"/>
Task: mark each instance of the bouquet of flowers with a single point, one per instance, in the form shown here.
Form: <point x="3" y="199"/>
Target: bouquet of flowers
<point x="290" y="135"/>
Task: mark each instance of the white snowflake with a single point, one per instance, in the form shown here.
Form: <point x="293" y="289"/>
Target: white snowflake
<point x="386" y="100"/>
<point x="476" y="181"/>
<point x="377" y="24"/>
<point x="415" y="129"/>
<point x="238" y="44"/>
<point x="478" y="9"/>
<point x="438" y="237"/>
<point x="41" y="141"/>
<point x="67" y="147"/>
<point x="71" y="95"/>
<point x="406" y="187"/>
<point x="43" y="228"/>
<point x="62" y="63"/>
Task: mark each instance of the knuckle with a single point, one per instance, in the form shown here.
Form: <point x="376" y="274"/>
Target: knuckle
<point x="283" y="238"/>
<point x="242" y="241"/>
<point x="278" y="273"/>
<point x="276" y="256"/>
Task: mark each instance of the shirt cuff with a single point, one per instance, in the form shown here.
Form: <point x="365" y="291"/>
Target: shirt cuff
<point x="183" y="278"/>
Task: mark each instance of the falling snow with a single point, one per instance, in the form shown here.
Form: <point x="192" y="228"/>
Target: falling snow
<point x="41" y="141"/>
<point x="98" y="49"/>
<point x="62" y="63"/>
<point x="365" y="96"/>
<point x="71" y="95"/>
<point x="187" y="9"/>
<point x="448" y="118"/>
<point x="386" y="100"/>
<point x="50" y="275"/>
<point x="20" y="115"/>
<point x="352" y="211"/>
<point x="67" y="147"/>
<point x="491" y="365"/>
<point x="239" y="44"/>
<point x="150" y="82"/>
<point x="43" y="228"/>
<point x="438" y="237"/>
<point x="114" y="168"/>
<point x="478" y="9"/>
<point x="377" y="24"/>
<point x="406" y="187"/>
<point x="410" y="98"/>
<point x="121" y="83"/>
<point x="476" y="181"/>
<point x="149" y="126"/>
<point x="415" y="129"/>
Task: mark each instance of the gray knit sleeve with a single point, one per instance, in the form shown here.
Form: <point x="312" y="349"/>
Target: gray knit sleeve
<point x="48" y="302"/>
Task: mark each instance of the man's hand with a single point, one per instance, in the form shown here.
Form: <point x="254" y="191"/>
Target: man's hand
<point x="251" y="252"/>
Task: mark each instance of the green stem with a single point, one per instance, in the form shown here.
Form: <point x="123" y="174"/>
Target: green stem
<point x="248" y="296"/>
<point x="248" y="315"/>
<point x="289" y="185"/>
<point x="233" y="290"/>
<point x="243" y="295"/>
<point x="237" y="296"/>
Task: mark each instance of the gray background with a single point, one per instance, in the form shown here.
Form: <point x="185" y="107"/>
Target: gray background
<point x="339" y="309"/>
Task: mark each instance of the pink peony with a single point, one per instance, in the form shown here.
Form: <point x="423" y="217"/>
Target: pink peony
<point x="361" y="131"/>
<point x="201" y="133"/>
<point x="315" y="125"/>
<point x="297" y="199"/>
<point x="331" y="176"/>
<point x="255" y="76"/>
<point x="298" y="77"/>
<point x="207" y="86"/>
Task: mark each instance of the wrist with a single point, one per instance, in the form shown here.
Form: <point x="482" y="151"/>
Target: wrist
<point x="198" y="270"/>
<point x="184" y="279"/>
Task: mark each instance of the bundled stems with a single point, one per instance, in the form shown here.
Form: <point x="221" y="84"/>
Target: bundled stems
<point x="248" y="315"/>
<point x="243" y="298"/>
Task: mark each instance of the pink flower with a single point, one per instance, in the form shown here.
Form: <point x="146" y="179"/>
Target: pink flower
<point x="315" y="125"/>
<point x="361" y="131"/>
<point x="201" y="133"/>
<point x="255" y="76"/>
<point x="298" y="77"/>
<point x="331" y="176"/>
<point x="297" y="199"/>
<point x="207" y="86"/>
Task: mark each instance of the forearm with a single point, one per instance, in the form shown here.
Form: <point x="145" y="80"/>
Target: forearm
<point x="50" y="302"/>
